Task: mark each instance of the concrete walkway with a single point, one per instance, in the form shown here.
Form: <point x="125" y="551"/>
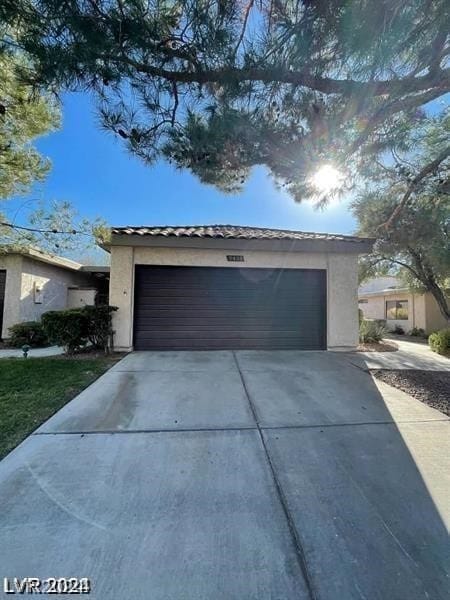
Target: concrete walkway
<point x="410" y="355"/>
<point x="246" y="475"/>
<point x="34" y="352"/>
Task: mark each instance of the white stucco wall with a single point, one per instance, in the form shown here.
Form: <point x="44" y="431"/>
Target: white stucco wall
<point x="79" y="297"/>
<point x="11" y="309"/>
<point x="54" y="283"/>
<point x="341" y="277"/>
<point x="22" y="276"/>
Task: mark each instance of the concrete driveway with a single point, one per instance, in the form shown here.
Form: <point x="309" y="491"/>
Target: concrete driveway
<point x="247" y="475"/>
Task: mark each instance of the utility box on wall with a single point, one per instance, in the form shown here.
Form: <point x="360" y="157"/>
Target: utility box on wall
<point x="79" y="297"/>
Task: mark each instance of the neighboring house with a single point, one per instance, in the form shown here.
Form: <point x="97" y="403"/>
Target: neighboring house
<point x="386" y="298"/>
<point x="227" y="287"/>
<point x="33" y="282"/>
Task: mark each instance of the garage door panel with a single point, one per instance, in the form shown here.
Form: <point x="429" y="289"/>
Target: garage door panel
<point x="222" y="308"/>
<point x="219" y="321"/>
<point x="252" y="302"/>
<point x="228" y="332"/>
<point x="229" y="344"/>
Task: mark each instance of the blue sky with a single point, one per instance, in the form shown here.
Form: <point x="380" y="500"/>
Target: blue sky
<point x="93" y="171"/>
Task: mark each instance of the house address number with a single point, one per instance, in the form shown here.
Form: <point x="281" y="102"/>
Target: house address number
<point x="235" y="258"/>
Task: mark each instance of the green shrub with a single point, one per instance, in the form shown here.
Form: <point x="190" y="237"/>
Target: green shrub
<point x="398" y="330"/>
<point x="440" y="341"/>
<point x="418" y="332"/>
<point x="67" y="328"/>
<point x="360" y="316"/>
<point x="74" y="328"/>
<point x="100" y="325"/>
<point x="371" y="331"/>
<point x="30" y="333"/>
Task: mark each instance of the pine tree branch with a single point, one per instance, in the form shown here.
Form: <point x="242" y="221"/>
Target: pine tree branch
<point x="275" y="74"/>
<point x="423" y="173"/>
<point x="402" y="264"/>
<point x="244" y="26"/>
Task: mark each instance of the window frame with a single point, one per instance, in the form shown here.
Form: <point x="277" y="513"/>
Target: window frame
<point x="396" y="307"/>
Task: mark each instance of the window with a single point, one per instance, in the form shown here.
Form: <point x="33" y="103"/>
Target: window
<point x="397" y="310"/>
<point x="363" y="301"/>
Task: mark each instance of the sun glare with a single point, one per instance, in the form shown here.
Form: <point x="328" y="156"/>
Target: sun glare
<point x="327" y="179"/>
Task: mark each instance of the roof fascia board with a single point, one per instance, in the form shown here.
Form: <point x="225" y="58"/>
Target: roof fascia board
<point x="398" y="291"/>
<point x="362" y="247"/>
<point x="56" y="261"/>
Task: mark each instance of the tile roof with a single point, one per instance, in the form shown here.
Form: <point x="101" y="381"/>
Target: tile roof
<point x="234" y="232"/>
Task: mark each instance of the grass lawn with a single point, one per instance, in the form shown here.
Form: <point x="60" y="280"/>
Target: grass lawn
<point x="32" y="390"/>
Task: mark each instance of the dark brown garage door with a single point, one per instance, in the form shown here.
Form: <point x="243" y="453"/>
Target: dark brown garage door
<point x="2" y="298"/>
<point x="199" y="308"/>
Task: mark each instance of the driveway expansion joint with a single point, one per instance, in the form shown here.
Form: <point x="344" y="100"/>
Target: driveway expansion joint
<point x="243" y="428"/>
<point x="300" y="553"/>
<point x="131" y="431"/>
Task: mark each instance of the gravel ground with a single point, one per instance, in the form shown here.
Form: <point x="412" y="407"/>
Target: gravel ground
<point x="431" y="387"/>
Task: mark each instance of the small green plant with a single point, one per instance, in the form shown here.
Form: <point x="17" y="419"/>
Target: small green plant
<point x="371" y="331"/>
<point x="360" y="315"/>
<point x="418" y="332"/>
<point x="398" y="330"/>
<point x="440" y="341"/>
<point x="30" y="333"/>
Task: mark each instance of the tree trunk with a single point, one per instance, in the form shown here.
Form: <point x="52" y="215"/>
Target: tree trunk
<point x="426" y="276"/>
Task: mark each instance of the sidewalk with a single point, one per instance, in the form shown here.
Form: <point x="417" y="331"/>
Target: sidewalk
<point x="34" y="352"/>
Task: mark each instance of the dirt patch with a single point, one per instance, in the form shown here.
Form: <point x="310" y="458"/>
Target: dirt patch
<point x="383" y="346"/>
<point x="92" y="354"/>
<point x="430" y="387"/>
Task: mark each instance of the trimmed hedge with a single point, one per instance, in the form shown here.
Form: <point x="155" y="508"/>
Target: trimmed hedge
<point x="371" y="331"/>
<point x="30" y="333"/>
<point x="440" y="341"/>
<point x="74" y="328"/>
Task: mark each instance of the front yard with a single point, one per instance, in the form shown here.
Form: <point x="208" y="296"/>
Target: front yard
<point x="33" y="389"/>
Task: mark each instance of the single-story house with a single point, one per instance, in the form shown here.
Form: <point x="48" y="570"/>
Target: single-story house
<point x="33" y="282"/>
<point x="229" y="287"/>
<point x="387" y="299"/>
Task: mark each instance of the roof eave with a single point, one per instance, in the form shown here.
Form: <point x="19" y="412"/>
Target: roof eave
<point x="361" y="246"/>
<point x="51" y="259"/>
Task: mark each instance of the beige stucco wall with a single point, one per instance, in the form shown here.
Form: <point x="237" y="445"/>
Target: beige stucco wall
<point x="434" y="319"/>
<point x="341" y="275"/>
<point x="11" y="309"/>
<point x="342" y="289"/>
<point x="22" y="276"/>
<point x="121" y="288"/>
<point x="375" y="308"/>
